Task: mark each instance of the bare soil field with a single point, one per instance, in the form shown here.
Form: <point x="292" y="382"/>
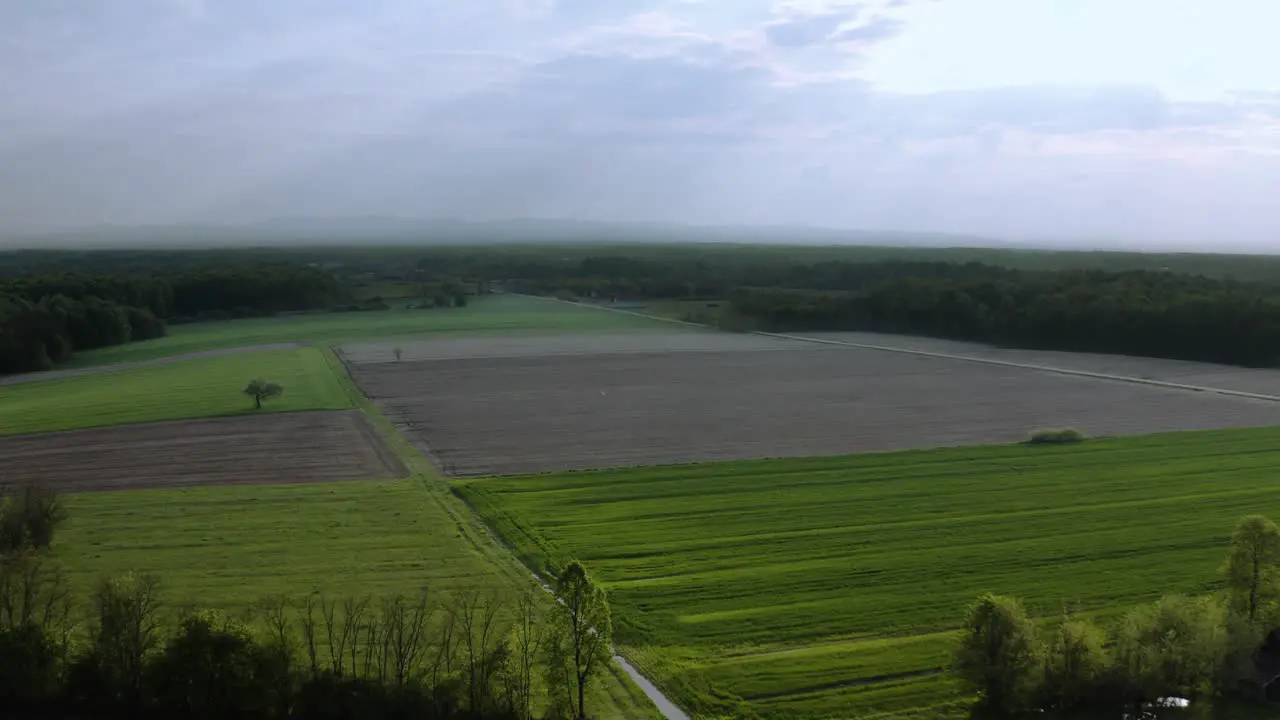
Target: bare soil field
<point x="271" y="448"/>
<point x="726" y="396"/>
<point x="1227" y="377"/>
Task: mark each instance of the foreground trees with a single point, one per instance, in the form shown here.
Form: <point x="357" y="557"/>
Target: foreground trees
<point x="997" y="654"/>
<point x="582" y="635"/>
<point x="1252" y="568"/>
<point x="469" y="655"/>
<point x="1195" y="648"/>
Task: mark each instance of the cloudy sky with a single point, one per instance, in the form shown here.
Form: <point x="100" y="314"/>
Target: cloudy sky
<point x="1145" y="121"/>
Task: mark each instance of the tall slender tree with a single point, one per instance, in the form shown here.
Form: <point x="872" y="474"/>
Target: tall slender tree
<point x="1252" y="568"/>
<point x="583" y="630"/>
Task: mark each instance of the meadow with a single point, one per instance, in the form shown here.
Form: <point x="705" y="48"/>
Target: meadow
<point x="831" y="587"/>
<point x="197" y="388"/>
<point x="500" y="313"/>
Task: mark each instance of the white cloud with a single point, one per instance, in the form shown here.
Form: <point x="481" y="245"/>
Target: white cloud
<point x="169" y="110"/>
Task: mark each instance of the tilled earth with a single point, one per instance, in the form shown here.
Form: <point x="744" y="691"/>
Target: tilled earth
<point x="267" y="448"/>
<point x="552" y="410"/>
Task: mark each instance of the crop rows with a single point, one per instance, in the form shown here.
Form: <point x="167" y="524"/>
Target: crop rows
<point x="829" y="587"/>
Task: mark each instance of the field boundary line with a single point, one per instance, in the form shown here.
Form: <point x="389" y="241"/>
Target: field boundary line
<point x="664" y="704"/>
<point x="424" y="468"/>
<point x="950" y="356"/>
<point x="1027" y="366"/>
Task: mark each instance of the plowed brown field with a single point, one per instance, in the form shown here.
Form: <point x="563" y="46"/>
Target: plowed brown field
<point x="556" y="405"/>
<point x="269" y="448"/>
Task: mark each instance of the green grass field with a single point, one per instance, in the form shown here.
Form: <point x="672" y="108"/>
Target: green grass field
<point x="230" y="547"/>
<point x="820" y="588"/>
<point x="501" y="313"/>
<point x="204" y="387"/>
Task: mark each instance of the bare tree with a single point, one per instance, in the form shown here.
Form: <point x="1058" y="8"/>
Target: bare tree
<point x="310" y="632"/>
<point x="477" y="616"/>
<point x="525" y="642"/>
<point x="404" y="636"/>
<point x="127" y="629"/>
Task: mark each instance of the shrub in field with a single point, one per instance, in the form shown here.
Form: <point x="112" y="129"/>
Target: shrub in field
<point x="28" y="518"/>
<point x="1061" y="436"/>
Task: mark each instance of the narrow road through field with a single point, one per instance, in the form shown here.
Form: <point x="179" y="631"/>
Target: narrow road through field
<point x="119" y="367"/>
<point x="964" y="358"/>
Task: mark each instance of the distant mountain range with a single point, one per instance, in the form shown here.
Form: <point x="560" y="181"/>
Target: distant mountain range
<point x="392" y="230"/>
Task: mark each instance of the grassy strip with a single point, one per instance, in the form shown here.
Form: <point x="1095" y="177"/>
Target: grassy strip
<point x="823" y="587"/>
<point x="504" y="313"/>
<point x="200" y="388"/>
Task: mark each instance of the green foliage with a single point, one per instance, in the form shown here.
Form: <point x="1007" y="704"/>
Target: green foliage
<point x="1064" y="436"/>
<point x="1252" y="569"/>
<point x="581" y="641"/>
<point x="29" y="515"/>
<point x="261" y="390"/>
<point x="212" y="668"/>
<point x="999" y="655"/>
<point x="203" y="387"/>
<point x="828" y="586"/>
<point x="1173" y="648"/>
<point x="1075" y="665"/>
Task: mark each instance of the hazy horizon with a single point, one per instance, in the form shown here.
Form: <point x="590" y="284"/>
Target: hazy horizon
<point x="1144" y="125"/>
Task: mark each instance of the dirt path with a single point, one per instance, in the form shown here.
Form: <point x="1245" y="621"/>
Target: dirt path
<point x="118" y="367"/>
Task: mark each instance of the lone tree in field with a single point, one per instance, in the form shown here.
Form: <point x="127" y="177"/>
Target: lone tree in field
<point x="261" y="390"/>
<point x="583" y="629"/>
<point x="397" y="352"/>
<point x="1252" y="567"/>
<point x="998" y="657"/>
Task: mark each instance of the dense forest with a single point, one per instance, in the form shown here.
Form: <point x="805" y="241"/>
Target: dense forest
<point x="45" y="318"/>
<point x="55" y="303"/>
<point x="1132" y="313"/>
<point x="1136" y="312"/>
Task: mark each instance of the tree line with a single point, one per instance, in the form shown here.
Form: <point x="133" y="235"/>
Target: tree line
<point x="471" y="654"/>
<point x="46" y="318"/>
<point x="1205" y="650"/>
<point x="1137" y="313"/>
<point x="1143" y="312"/>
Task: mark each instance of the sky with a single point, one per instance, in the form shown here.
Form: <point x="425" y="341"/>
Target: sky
<point x="1142" y="122"/>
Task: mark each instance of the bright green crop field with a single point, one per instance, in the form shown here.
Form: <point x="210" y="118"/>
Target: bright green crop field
<point x="204" y="387"/>
<point x="497" y="313"/>
<point x="832" y="587"/>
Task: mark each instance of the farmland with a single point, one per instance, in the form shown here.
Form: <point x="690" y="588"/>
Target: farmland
<point x="228" y="505"/>
<point x="298" y="447"/>
<point x="204" y="387"/>
<point x="563" y="403"/>
<point x="830" y="587"/>
<point x="507" y="313"/>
